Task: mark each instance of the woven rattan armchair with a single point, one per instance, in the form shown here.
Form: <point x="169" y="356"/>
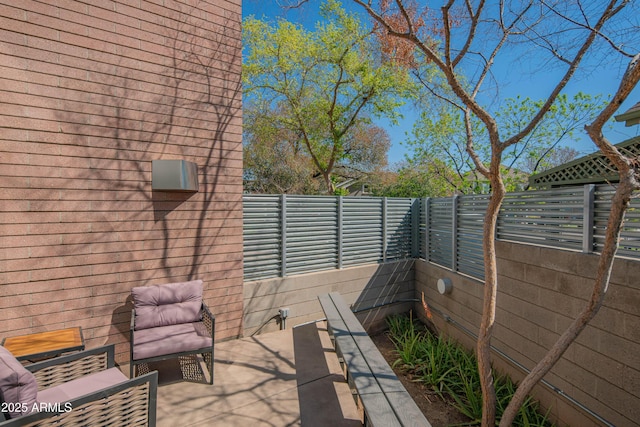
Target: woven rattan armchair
<point x="170" y="321"/>
<point x="80" y="389"/>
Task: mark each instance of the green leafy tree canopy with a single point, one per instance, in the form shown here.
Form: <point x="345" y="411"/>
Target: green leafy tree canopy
<point x="440" y="134"/>
<point x="324" y="84"/>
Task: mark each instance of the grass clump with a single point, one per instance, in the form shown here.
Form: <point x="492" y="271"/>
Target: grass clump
<point x="452" y="372"/>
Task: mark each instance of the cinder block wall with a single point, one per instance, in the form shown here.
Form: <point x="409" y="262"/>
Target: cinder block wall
<point x="91" y="92"/>
<point x="541" y="291"/>
<point x="362" y="287"/>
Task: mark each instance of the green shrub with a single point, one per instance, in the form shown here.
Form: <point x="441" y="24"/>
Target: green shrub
<point x="452" y="371"/>
<point x="408" y="341"/>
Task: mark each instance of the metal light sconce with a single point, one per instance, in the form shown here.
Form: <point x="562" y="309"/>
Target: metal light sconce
<point x="174" y="175"/>
<point x="445" y="286"/>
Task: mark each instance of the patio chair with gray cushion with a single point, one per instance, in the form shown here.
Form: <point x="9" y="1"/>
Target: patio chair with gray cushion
<point x="169" y="321"/>
<point x="80" y="389"/>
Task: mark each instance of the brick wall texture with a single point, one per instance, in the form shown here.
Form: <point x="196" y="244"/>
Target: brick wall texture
<point x="541" y="291"/>
<point x="91" y="91"/>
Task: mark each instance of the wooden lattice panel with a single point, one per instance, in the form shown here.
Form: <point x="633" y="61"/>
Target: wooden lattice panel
<point x="594" y="168"/>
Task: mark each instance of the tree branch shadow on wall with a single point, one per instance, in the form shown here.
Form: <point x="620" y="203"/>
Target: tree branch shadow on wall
<point x="391" y="288"/>
<point x="138" y="108"/>
<point x="389" y="291"/>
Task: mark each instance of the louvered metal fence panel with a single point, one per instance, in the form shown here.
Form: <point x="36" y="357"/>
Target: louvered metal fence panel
<point x="329" y="232"/>
<point x="311" y="233"/>
<point x="602" y="207"/>
<point x="553" y="218"/>
<point x="630" y="234"/>
<point x="399" y="224"/>
<point x="441" y="232"/>
<point x="261" y="236"/>
<point x="469" y="236"/>
<point x="362" y="230"/>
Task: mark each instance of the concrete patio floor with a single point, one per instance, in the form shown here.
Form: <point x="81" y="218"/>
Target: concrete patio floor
<point x="284" y="378"/>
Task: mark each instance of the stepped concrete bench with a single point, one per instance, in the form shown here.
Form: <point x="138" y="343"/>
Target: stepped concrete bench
<point x="385" y="401"/>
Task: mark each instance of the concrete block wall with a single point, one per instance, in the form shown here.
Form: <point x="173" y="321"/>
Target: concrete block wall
<point x="91" y="92"/>
<point x="541" y="290"/>
<point x="362" y="287"/>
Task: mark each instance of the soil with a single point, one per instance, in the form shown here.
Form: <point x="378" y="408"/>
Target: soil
<point x="439" y="412"/>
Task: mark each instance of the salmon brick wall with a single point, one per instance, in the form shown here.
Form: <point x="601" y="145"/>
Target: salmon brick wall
<point x="90" y="93"/>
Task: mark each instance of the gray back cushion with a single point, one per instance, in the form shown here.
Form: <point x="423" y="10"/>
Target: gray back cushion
<point x="18" y="387"/>
<point x="169" y="304"/>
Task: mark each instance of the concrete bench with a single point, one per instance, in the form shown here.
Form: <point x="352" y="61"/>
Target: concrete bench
<point x="376" y="387"/>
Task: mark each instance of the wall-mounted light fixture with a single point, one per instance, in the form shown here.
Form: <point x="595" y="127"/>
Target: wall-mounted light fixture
<point x="445" y="286"/>
<point x="174" y="175"/>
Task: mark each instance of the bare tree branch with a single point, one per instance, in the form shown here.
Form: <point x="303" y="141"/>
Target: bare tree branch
<point x="586" y="25"/>
<point x="604" y="17"/>
<point x="472" y="30"/>
<point x="441" y="58"/>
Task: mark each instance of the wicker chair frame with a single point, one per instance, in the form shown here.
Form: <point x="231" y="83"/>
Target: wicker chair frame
<point x="209" y="323"/>
<point x="131" y="403"/>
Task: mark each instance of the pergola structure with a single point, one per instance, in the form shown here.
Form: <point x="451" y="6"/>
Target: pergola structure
<point x="594" y="168"/>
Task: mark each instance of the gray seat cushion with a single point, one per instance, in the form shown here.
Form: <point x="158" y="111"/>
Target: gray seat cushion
<point x="18" y="386"/>
<point x="171" y="339"/>
<point x="81" y="386"/>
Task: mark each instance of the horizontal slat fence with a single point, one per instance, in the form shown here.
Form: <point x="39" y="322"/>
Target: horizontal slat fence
<point x="399" y="228"/>
<point x="552" y="217"/>
<point x="629" y="243"/>
<point x="470" y="218"/>
<point x="286" y="235"/>
<point x="262" y="240"/>
<point x="440" y="214"/>
<point x="311" y="234"/>
<point x="362" y="230"/>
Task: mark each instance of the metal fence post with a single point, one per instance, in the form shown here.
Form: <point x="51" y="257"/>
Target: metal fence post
<point x="415" y="228"/>
<point x="384" y="229"/>
<point x="283" y="234"/>
<point x="427" y="227"/>
<point x="588" y="218"/>
<point x="454" y="233"/>
<point x="340" y="207"/>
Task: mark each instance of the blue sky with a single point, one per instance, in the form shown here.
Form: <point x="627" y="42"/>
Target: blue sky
<point x="601" y="78"/>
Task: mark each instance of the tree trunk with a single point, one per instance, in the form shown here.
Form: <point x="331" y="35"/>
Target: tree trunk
<point x="331" y="189"/>
<point x="489" y="303"/>
<point x="628" y="171"/>
<point x="619" y="205"/>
